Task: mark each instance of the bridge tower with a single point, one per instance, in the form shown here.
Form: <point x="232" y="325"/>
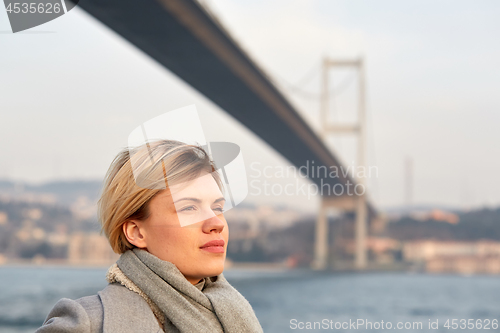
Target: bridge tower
<point x="356" y="203"/>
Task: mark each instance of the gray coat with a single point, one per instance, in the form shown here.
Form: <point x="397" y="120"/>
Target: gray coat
<point x="87" y="315"/>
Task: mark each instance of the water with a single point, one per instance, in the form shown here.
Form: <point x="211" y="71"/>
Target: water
<point x="28" y="293"/>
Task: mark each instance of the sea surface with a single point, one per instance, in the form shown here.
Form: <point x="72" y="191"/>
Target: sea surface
<point x="289" y="301"/>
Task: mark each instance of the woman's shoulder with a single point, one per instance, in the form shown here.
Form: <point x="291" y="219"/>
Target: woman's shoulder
<point x="104" y="312"/>
<point x="84" y="315"/>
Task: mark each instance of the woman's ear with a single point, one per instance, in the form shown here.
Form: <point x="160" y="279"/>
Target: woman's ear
<point x="133" y="230"/>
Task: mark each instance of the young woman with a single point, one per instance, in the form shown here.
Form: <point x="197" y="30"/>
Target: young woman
<point x="172" y="238"/>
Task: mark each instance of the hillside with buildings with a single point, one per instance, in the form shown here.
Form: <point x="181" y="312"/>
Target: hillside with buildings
<point x="56" y="223"/>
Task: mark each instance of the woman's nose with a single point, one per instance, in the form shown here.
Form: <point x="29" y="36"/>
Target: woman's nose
<point x="213" y="224"/>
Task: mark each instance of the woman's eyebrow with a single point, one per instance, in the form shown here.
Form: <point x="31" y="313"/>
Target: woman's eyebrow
<point x="198" y="200"/>
<point x="220" y="199"/>
<point x="190" y="199"/>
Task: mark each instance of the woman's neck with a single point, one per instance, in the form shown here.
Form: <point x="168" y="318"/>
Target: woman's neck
<point x="193" y="281"/>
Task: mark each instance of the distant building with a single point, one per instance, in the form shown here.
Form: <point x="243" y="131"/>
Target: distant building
<point x="90" y="249"/>
<point x="382" y="248"/>
<point x="481" y="257"/>
<point x="464" y="265"/>
<point x="4" y="218"/>
<point x="436" y="215"/>
<point x="83" y="208"/>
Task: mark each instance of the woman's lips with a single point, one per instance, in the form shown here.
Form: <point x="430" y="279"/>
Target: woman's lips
<point x="215" y="246"/>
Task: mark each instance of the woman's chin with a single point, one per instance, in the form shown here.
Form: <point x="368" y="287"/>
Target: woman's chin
<point x="214" y="269"/>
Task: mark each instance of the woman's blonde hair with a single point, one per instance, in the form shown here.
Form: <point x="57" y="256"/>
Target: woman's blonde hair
<point x="122" y="198"/>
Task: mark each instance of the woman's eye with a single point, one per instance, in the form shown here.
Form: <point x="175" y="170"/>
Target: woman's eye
<point x="188" y="209"/>
<point x="218" y="209"/>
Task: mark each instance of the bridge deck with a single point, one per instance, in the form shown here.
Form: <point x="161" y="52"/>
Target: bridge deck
<point x="182" y="36"/>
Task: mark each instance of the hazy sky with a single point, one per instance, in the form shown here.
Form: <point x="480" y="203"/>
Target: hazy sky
<point x="71" y="91"/>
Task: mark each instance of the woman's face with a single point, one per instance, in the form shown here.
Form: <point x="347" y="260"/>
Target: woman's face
<point x="181" y="223"/>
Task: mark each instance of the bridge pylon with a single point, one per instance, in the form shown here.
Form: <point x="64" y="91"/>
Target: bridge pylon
<point x="358" y="203"/>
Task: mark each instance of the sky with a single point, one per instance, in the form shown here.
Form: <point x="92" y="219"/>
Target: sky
<point x="71" y="91"/>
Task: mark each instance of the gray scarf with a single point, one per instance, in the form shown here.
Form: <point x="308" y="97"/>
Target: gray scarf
<point x="185" y="308"/>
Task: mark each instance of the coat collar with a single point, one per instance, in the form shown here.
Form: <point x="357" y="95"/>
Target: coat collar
<point x="125" y="311"/>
